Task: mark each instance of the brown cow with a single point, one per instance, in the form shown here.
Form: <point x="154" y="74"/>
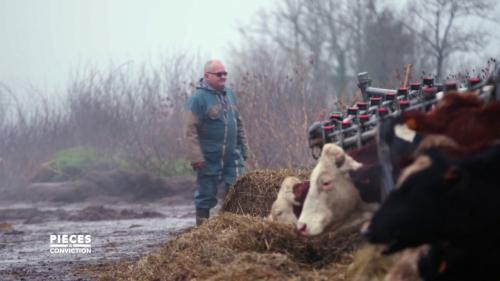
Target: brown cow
<point x="462" y="117"/>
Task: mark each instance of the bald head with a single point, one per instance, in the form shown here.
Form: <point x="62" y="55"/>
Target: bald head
<point x="209" y="65"/>
<point x="215" y="74"/>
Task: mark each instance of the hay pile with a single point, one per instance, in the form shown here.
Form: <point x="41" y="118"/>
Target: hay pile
<point x="243" y="247"/>
<point x="239" y="244"/>
<point x="255" y="192"/>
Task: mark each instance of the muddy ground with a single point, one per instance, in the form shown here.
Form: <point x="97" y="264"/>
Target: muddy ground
<point x="24" y="243"/>
<point x="120" y="231"/>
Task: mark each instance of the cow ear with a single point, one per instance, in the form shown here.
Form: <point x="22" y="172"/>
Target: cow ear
<point x="297" y="189"/>
<point x="346" y="163"/>
<point x="352" y="165"/>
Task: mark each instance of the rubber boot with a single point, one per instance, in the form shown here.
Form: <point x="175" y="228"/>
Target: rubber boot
<point x="202" y="215"/>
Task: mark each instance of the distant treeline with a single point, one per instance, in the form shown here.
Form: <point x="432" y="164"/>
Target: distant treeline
<point x="298" y="61"/>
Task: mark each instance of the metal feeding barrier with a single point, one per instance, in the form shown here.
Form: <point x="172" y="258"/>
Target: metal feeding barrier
<point x="359" y="124"/>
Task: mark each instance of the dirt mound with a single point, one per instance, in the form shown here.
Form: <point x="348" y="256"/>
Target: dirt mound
<point x="5" y="226"/>
<point x="96" y="213"/>
<point x="255" y="192"/>
<point x="122" y="185"/>
<point x="92" y="213"/>
<point x="243" y="247"/>
<point x="17" y="214"/>
<point x="69" y="191"/>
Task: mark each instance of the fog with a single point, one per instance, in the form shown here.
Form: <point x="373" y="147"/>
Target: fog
<point x="43" y="41"/>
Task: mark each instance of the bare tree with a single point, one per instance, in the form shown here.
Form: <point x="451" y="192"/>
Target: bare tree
<point x="338" y="37"/>
<point x="444" y="26"/>
<point x="131" y="115"/>
<point x="378" y="41"/>
<point x="277" y="103"/>
<point x="308" y="30"/>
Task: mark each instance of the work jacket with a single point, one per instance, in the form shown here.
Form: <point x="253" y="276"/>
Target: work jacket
<point x="215" y="131"/>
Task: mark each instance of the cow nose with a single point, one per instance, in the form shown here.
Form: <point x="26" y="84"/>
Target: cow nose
<point x="301" y="227"/>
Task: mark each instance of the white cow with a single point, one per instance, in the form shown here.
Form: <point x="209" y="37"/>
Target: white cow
<point x="332" y="198"/>
<point x="282" y="208"/>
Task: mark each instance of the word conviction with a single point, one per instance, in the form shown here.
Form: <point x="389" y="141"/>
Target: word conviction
<point x="70" y="244"/>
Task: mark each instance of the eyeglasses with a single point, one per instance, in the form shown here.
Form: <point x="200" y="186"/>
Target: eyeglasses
<point x="219" y="74"/>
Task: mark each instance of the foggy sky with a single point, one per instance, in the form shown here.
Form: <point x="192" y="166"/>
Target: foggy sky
<point x="43" y="40"/>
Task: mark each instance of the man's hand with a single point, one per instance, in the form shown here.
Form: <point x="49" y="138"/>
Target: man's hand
<point x="197" y="165"/>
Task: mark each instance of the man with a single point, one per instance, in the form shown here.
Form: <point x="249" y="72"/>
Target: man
<point x="215" y="137"/>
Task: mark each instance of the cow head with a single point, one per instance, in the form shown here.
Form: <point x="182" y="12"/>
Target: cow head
<point x="399" y="140"/>
<point x="414" y="213"/>
<point x="287" y="188"/>
<point x="287" y="201"/>
<point x="282" y="213"/>
<point x="331" y="196"/>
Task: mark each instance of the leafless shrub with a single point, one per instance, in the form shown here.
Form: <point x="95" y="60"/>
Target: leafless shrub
<point x="29" y="135"/>
<point x="277" y="100"/>
<point x="132" y="114"/>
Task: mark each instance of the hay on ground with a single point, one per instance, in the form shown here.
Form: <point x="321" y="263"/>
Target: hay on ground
<point x="239" y="244"/>
<point x="255" y="192"/>
<point x="243" y="247"/>
<point x="369" y="264"/>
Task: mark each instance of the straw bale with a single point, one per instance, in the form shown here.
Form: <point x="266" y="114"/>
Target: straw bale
<point x="255" y="192"/>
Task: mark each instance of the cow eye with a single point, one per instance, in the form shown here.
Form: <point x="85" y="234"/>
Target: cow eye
<point x="279" y="213"/>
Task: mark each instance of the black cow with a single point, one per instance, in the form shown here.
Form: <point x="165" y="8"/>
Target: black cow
<point x="455" y="205"/>
<point x="383" y="160"/>
<point x="400" y="140"/>
<point x="367" y="178"/>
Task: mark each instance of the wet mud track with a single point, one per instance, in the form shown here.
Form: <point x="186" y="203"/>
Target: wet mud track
<point x="119" y="232"/>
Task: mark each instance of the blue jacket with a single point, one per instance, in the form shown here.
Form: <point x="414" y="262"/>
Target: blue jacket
<point x="215" y="131"/>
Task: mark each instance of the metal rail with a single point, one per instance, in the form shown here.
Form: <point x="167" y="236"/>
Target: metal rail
<point x="359" y="132"/>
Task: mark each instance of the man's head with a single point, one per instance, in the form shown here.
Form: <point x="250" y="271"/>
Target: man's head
<point x="215" y="74"/>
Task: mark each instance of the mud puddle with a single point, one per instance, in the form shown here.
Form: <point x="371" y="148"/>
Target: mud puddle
<point x="119" y="232"/>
